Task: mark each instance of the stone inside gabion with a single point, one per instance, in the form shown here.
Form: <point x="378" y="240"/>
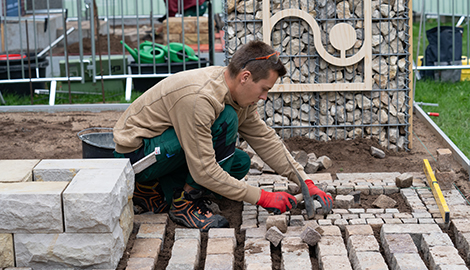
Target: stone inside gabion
<point x="382" y="113"/>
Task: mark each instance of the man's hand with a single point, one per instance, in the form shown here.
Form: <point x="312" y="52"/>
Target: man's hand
<point x="317" y="194"/>
<point x="277" y="202"/>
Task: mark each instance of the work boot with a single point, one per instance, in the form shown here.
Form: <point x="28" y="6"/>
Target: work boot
<point x="149" y="198"/>
<point x="190" y="209"/>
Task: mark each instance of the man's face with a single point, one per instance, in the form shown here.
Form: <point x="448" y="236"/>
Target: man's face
<point x="250" y="92"/>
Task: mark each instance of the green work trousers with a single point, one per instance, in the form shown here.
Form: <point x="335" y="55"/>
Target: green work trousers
<point x="171" y="169"/>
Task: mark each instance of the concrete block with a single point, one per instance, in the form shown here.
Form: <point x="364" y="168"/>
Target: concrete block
<point x="279" y="221"/>
<point x="220" y="246"/>
<point x="82" y="250"/>
<point x="407" y="261"/>
<point x="126" y="221"/>
<point x="383" y="201"/>
<point x="331" y="246"/>
<point x="295" y="254"/>
<point x="146" y="248"/>
<point x="367" y="261"/>
<point x="310" y="236"/>
<point x="335" y="263"/>
<point x="140" y="264"/>
<point x="66" y="169"/>
<point x="31" y="207"/>
<point x="150" y="218"/>
<point x="15" y="171"/>
<point x="274" y="235"/>
<point x="184" y="254"/>
<point x="404" y="180"/>
<point x="219" y="262"/>
<point x="363" y="243"/>
<point x="184" y="233"/>
<point x="94" y="200"/>
<point x="444" y="255"/>
<point x="7" y="253"/>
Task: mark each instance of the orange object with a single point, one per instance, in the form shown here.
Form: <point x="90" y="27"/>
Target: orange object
<point x="433" y="114"/>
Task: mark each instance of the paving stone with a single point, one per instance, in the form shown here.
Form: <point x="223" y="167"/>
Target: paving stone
<point x="391" y="189"/>
<point x="409" y="220"/>
<point x="357" y="221"/>
<point x="220" y="246"/>
<point x="279" y="221"/>
<point x="152" y="231"/>
<point x="274" y="235"/>
<point x="17" y="170"/>
<point x="150" y="218"/>
<point x="374" y="211"/>
<point x="383" y="201"/>
<point x="7" y="253"/>
<point x="31" y="207"/>
<point x="358" y="230"/>
<point x="375" y="222"/>
<point x="330" y="231"/>
<point x="310" y="236"/>
<point x="333" y="217"/>
<point x="296" y="220"/>
<point x="404" y="180"/>
<point x="392" y="221"/>
<point x="255" y="232"/>
<point x="366" y="216"/>
<point x="426" y="221"/>
<point x="350" y="216"/>
<point x="222" y="233"/>
<point x="294" y="231"/>
<point x="407" y="261"/>
<point x="340" y="211"/>
<point x="82" y="250"/>
<point x="331" y="246"/>
<point x="184" y="254"/>
<point x="140" y="264"/>
<point x="335" y="263"/>
<point x="414" y="230"/>
<point x="185" y="233"/>
<point x="397" y="243"/>
<point x="344" y="190"/>
<point x="257" y="251"/>
<point x="94" y="199"/>
<point x="146" y="248"/>
<point x="341" y="223"/>
<point x="376" y="190"/>
<point x="402" y="215"/>
<point x="449" y="267"/>
<point x="367" y="261"/>
<point x="324" y="222"/>
<point x="444" y="255"/>
<point x="295" y="254"/>
<point x="362" y="243"/>
<point x="258" y="266"/>
<point x="219" y="262"/>
<point x="444" y="159"/>
<point x="356" y="211"/>
<point x="463" y="242"/>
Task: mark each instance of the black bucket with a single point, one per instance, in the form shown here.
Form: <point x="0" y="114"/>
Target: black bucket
<point x="97" y="144"/>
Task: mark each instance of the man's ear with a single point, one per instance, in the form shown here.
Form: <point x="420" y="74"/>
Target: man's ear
<point x="244" y="76"/>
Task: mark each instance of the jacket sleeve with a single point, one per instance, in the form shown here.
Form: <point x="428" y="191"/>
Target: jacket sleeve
<point x="269" y="146"/>
<point x="193" y="129"/>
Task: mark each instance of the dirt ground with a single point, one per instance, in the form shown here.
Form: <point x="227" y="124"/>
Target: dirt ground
<point x="54" y="136"/>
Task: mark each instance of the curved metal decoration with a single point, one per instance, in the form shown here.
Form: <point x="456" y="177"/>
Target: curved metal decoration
<point x="342" y="38"/>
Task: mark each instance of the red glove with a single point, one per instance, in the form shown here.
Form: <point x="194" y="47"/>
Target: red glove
<point x="277" y="202"/>
<point x="325" y="200"/>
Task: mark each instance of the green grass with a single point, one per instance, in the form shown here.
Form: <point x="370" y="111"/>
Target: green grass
<point x="453" y="109"/>
<point x="453" y="98"/>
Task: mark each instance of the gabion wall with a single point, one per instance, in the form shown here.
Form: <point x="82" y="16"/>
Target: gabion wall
<point x="381" y="112"/>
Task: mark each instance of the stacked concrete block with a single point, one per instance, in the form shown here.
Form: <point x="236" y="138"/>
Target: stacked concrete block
<point x="295" y="254"/>
<point x="461" y="229"/>
<point x="186" y="249"/>
<point x="364" y="250"/>
<point x="18" y="170"/>
<point x="439" y="251"/>
<point x="257" y="253"/>
<point x="75" y="213"/>
<point x="412" y="199"/>
<point x="220" y="249"/>
<point x="331" y="251"/>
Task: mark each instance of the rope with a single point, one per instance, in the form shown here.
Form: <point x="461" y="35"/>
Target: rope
<point x="424" y="146"/>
